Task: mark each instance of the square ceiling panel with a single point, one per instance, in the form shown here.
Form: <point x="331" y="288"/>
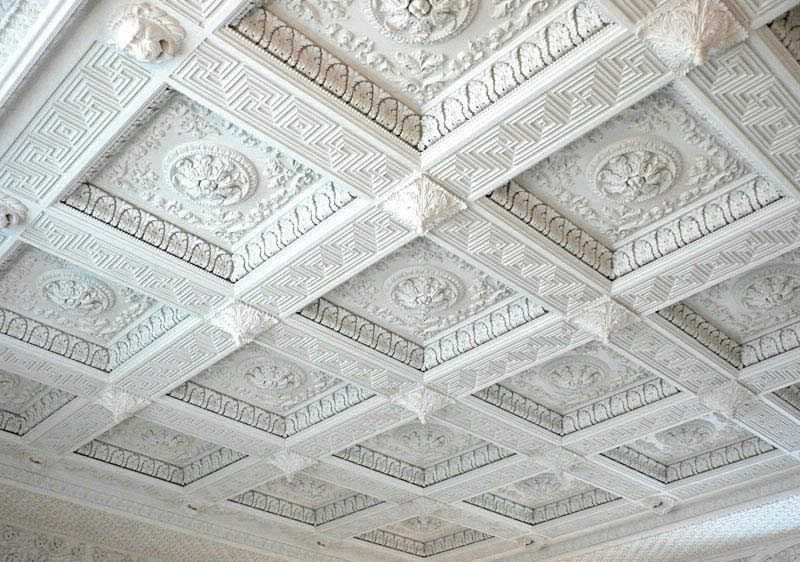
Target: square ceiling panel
<point x="420" y="291"/>
<point x="653" y="159"/>
<point x="424" y="536"/>
<point x="424" y="454"/>
<point x="158" y="451"/>
<point x="259" y="377"/>
<point x="264" y="390"/>
<point x="543" y="498"/>
<point x="750" y="305"/>
<point x="24" y="403"/>
<point x="414" y="50"/>
<point x="54" y="292"/>
<point x="193" y="169"/>
<point x="586" y="375"/>
<point x="306" y="499"/>
<point x="691" y="448"/>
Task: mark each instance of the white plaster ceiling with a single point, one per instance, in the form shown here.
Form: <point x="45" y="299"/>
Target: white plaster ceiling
<point x="358" y="280"/>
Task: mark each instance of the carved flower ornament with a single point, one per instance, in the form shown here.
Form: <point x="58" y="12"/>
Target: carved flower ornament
<point x="422" y="21"/>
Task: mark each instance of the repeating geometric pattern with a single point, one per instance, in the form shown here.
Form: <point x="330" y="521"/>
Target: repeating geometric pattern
<point x="561" y="429"/>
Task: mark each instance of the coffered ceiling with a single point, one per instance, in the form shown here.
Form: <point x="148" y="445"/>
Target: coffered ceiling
<point x="359" y="280"/>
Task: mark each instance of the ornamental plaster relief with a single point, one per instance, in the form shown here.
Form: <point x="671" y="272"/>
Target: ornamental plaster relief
<point x="419" y="291"/>
<point x="690" y="439"/>
<point x="543" y="489"/>
<point x="62" y="295"/>
<point x="585" y="375"/>
<point x="17" y="394"/>
<point x="424" y="528"/>
<point x="157" y="441"/>
<point x="264" y="379"/>
<point x="200" y="172"/>
<point x="305" y="490"/>
<point x="415" y="49"/>
<point x="423" y="445"/>
<point x="753" y="303"/>
<point x="651" y="160"/>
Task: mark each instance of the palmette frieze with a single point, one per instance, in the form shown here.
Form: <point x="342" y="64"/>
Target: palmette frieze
<point x="305" y="216"/>
<point x="693" y="466"/>
<point x="548" y="512"/>
<point x="319" y="516"/>
<point x="365" y="332"/>
<point x="704" y="332"/>
<point x="787" y="29"/>
<point x="424" y="549"/>
<point x="302" y="418"/>
<point x="419" y="476"/>
<point x="114" y="211"/>
<point x="525" y="206"/>
<point x="771" y="344"/>
<point x="145" y="333"/>
<point x="584" y="417"/>
<point x="558" y="39"/>
<point x="53" y="340"/>
<point x="266" y="31"/>
<point x="694" y="225"/>
<point x="483" y="329"/>
<point x="36" y="413"/>
<point x="149" y="466"/>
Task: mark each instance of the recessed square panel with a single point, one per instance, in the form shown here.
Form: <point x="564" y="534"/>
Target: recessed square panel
<point x="420" y="291"/>
<point x="413" y="50"/>
<point x="692" y="448"/>
<point x="24" y="403"/>
<point x="424" y="536"/>
<point x="586" y="375"/>
<point x="650" y="161"/>
<point x="542" y="498"/>
<point x="193" y="169"/>
<point x="423" y="445"/>
<point x="258" y="377"/>
<point x="542" y="489"/>
<point x="424" y="454"/>
<point x="59" y="294"/>
<point x="690" y="439"/>
<point x="759" y="301"/>
<point x="158" y="451"/>
<point x="306" y="499"/>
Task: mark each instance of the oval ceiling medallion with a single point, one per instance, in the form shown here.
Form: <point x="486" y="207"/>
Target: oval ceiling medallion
<point x="419" y="438"/>
<point x="769" y="289"/>
<point x="210" y="175"/>
<point x="422" y="22"/>
<point x="634" y="171"/>
<point x="76" y="293"/>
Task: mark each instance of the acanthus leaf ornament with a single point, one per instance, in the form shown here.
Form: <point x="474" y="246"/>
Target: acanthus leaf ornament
<point x="146" y="33"/>
<point x="290" y="462"/>
<point x="423" y="401"/>
<point x="602" y="317"/>
<point x="120" y="403"/>
<point x="242" y="322"/>
<point x="422" y="205"/>
<point x="730" y="399"/>
<point x="12" y="212"/>
<point x="684" y="32"/>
